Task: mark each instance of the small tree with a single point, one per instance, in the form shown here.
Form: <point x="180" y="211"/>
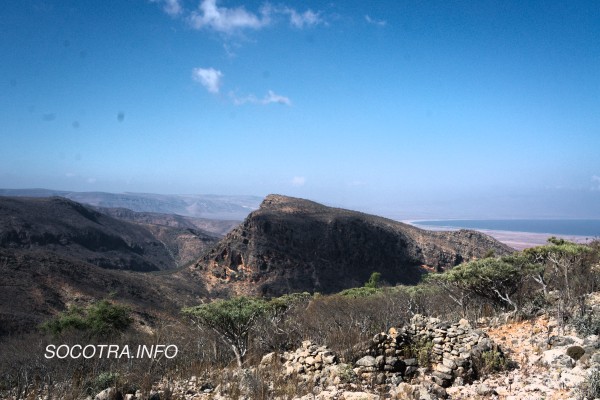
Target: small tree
<point x="561" y="259"/>
<point x="231" y="319"/>
<point x="490" y="278"/>
<point x="373" y="281"/>
<point x="453" y="287"/>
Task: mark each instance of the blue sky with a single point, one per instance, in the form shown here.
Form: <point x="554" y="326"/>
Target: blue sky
<point x="411" y="109"/>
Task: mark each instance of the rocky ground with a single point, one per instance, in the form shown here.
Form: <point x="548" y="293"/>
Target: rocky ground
<point x="545" y="361"/>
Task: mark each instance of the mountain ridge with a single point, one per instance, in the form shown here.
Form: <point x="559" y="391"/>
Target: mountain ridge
<point x="291" y="244"/>
<point x="226" y="207"/>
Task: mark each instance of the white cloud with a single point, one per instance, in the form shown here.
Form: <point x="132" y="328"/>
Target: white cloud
<point x="270" y="97"/>
<point x="171" y="7"/>
<point x="298" y="181"/>
<point x="227" y="20"/>
<point x="91" y="180"/>
<point x="375" y="21"/>
<point x="210" y="78"/>
<point x="300" y="20"/>
<point x="595" y="182"/>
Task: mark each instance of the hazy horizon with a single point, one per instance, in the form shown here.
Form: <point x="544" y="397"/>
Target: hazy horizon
<point x="407" y="110"/>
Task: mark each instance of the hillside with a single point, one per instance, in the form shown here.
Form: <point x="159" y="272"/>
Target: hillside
<point x="37" y="283"/>
<point x="55" y="252"/>
<point x="70" y="229"/>
<point x="214" y="227"/>
<point x="291" y="245"/>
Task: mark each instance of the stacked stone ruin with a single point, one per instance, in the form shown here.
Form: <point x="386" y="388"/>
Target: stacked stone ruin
<point x="426" y="348"/>
<point x="446" y="350"/>
<point x="308" y="359"/>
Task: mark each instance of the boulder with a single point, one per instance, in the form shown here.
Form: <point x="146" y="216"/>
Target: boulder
<point x="367" y="361"/>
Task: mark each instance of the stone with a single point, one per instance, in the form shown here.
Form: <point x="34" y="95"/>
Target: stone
<point x="367" y="361"/>
<point x="558" y="341"/>
<point x="266" y="360"/>
<point x="483" y="390"/>
<point x="438" y="391"/>
<point x="443" y="368"/>
<point x="444" y="380"/>
<point x="571" y="380"/>
<point x="359" y="396"/>
<point x="448" y="362"/>
<point x="396" y="380"/>
<point x="460" y="362"/>
<point x="107" y="394"/>
<point x="329" y="359"/>
<point x="405" y="391"/>
<point x="442" y="375"/>
<point x="411" y="362"/>
<point x="557" y="358"/>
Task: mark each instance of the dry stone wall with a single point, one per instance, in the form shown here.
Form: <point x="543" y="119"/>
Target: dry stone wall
<point x="448" y="352"/>
<point x="426" y="348"/>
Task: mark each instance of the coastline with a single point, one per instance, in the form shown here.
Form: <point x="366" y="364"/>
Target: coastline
<point x="515" y="239"/>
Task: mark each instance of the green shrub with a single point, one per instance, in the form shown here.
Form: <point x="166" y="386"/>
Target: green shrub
<point x="590" y="388"/>
<point x="373" y="281"/>
<point x="74" y="318"/>
<point x="100" y="319"/>
<point x="347" y="374"/>
<point x="423" y="352"/>
<point x="105" y="318"/>
<point x="360" y="292"/>
<point x="575" y="352"/>
<point x="104" y="381"/>
<point x="587" y="324"/>
<point x="493" y="361"/>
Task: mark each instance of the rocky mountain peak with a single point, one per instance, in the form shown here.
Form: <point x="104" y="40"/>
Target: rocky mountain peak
<point x="291" y="244"/>
<point x="287" y="204"/>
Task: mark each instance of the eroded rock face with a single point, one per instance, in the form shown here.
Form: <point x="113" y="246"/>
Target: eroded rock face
<point x="292" y="245"/>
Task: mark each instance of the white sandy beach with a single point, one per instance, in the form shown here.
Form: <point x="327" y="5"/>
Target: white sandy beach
<point x="516" y="240"/>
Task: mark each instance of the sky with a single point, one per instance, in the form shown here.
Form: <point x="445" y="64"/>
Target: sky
<point x="409" y="109"/>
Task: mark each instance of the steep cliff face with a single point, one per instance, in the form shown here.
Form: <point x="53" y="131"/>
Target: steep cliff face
<point x="291" y="245"/>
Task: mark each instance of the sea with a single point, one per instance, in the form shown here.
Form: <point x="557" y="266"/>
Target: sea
<point x="569" y="227"/>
